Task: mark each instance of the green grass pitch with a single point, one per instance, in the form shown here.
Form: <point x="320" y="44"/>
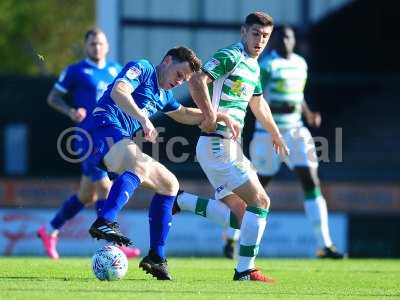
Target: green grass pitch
<point x="202" y="278"/>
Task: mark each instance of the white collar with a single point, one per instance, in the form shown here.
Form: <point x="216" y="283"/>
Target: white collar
<point x="93" y="64"/>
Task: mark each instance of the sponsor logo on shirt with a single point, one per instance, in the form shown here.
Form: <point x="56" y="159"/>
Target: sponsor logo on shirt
<point x="211" y="64"/>
<point x="239" y="88"/>
<point x="133" y="72"/>
<point x="236" y="87"/>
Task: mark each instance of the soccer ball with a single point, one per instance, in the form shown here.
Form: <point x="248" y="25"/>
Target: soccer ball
<point x="109" y="263"/>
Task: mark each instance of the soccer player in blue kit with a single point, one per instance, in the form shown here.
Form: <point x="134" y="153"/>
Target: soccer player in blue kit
<point x="86" y="82"/>
<point x="139" y="91"/>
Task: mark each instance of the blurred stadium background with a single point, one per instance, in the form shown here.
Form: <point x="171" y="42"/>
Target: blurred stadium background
<point x="354" y="72"/>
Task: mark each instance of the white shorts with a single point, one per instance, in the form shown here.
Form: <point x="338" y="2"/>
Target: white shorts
<point x="224" y="163"/>
<point x="299" y="142"/>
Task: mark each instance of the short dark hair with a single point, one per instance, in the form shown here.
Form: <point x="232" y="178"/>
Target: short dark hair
<point x="182" y="54"/>
<point x="260" y="18"/>
<point x="92" y="31"/>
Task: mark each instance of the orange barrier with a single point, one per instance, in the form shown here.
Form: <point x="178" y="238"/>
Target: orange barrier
<point x="346" y="197"/>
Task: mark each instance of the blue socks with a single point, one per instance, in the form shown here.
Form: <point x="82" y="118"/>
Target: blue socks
<point x="160" y="217"/>
<point x="99" y="205"/>
<point x="121" y="190"/>
<point x="160" y="212"/>
<point x="68" y="210"/>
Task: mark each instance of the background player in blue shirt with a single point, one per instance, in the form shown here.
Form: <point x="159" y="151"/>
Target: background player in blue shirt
<point x="139" y="91"/>
<point x="85" y="81"/>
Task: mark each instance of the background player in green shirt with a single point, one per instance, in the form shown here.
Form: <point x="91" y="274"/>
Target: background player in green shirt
<point x="284" y="75"/>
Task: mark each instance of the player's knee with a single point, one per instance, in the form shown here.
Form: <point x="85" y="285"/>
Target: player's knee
<point x="142" y="171"/>
<point x="87" y="198"/>
<point x="263" y="200"/>
<point x="169" y="186"/>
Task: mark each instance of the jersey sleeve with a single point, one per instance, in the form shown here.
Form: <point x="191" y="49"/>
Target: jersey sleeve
<point x="221" y="63"/>
<point x="172" y="103"/>
<point x="132" y="74"/>
<point x="65" y="80"/>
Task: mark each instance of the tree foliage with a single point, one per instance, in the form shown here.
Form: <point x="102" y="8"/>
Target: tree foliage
<point x="40" y="37"/>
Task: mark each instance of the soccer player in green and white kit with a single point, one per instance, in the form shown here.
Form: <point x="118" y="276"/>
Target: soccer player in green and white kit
<point x="284" y="75"/>
<point x="229" y="82"/>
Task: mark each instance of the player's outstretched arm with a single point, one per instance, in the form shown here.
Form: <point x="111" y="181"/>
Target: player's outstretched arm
<point x="121" y="94"/>
<point x="263" y="114"/>
<point x="187" y="115"/>
<point x="199" y="92"/>
<point x="194" y="116"/>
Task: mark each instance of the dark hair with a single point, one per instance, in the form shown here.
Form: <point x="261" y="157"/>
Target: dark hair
<point x="182" y="54"/>
<point x="92" y="31"/>
<point x="259" y="17"/>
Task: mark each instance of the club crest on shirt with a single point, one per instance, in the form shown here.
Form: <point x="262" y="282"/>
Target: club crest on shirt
<point x="238" y="88"/>
<point x="133" y="72"/>
<point x="211" y="64"/>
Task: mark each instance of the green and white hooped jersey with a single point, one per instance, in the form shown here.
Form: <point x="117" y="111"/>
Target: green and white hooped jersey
<point x="283" y="81"/>
<point x="236" y="79"/>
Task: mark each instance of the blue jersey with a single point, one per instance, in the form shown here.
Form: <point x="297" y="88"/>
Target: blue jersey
<point x="86" y="82"/>
<point x="148" y="96"/>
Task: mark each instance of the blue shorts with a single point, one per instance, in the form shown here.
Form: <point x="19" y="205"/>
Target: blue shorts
<point x="82" y="147"/>
<point x="103" y="139"/>
<point x="94" y="173"/>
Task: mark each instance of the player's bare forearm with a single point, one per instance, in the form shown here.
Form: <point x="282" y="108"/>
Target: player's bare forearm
<point x="55" y="100"/>
<point x="121" y="95"/>
<point x="263" y="114"/>
<point x="192" y="116"/>
<point x="187" y="115"/>
<point x="199" y="92"/>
